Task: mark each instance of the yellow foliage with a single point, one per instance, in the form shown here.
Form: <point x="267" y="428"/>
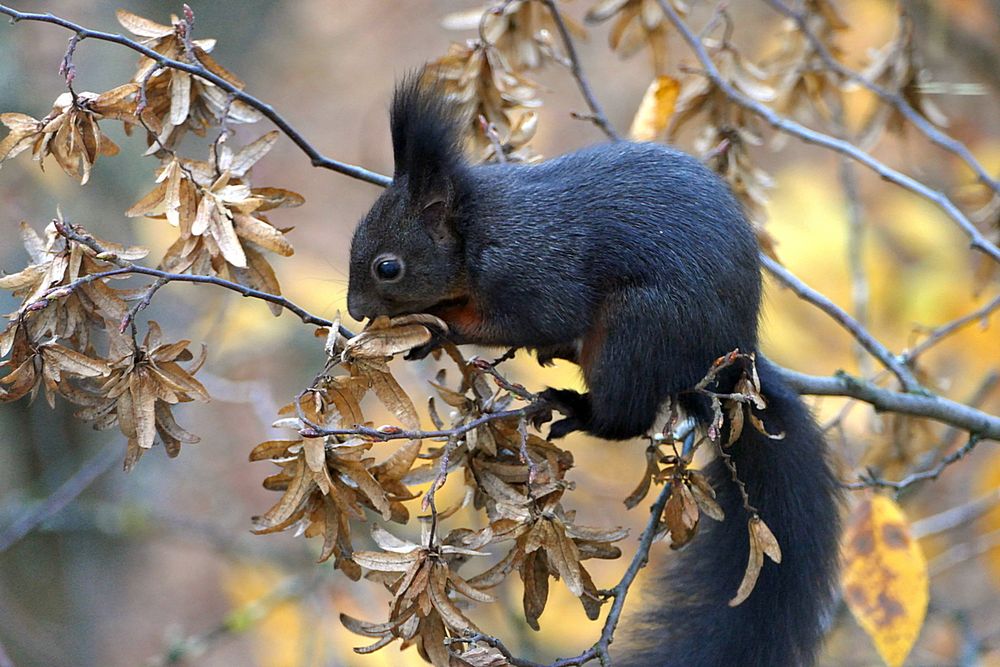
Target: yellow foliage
<point x="655" y="110"/>
<point x="280" y="637"/>
<point x="885" y="577"/>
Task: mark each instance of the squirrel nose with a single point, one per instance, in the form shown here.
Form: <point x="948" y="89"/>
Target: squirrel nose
<point x="355" y="307"/>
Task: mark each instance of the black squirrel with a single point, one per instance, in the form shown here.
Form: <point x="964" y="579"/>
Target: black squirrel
<point x="636" y="262"/>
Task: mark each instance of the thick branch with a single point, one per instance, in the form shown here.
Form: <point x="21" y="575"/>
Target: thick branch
<point x="969" y="419"/>
<point x="318" y="160"/>
<point x="788" y="126"/>
<point x="893" y="99"/>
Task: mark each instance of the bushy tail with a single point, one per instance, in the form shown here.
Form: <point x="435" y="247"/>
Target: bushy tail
<point x="792" y="485"/>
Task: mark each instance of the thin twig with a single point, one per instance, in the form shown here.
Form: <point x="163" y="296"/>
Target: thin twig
<point x="596" y="115"/>
<point x="893" y="99"/>
<point x="868" y="480"/>
<point x="67" y="68"/>
<point x="961" y="553"/>
<point x="394" y="433"/>
<point x="75" y="233"/>
<point x="839" y="315"/>
<point x="143" y="303"/>
<point x="638" y="562"/>
<point x="239" y="620"/>
<point x="67" y="492"/>
<point x="788" y="126"/>
<point x="955" y="516"/>
<point x="727" y="460"/>
<point x="490" y="131"/>
<point x="317" y="159"/>
<point x="934" y="336"/>
<point x="860" y="291"/>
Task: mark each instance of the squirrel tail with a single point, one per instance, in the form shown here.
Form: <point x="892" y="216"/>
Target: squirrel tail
<point x="790" y="482"/>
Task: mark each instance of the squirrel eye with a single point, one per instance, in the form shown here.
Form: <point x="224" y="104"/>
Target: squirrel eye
<point x="388" y="268"/>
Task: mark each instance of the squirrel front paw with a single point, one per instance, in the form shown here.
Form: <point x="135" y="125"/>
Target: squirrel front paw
<point x="574" y="405"/>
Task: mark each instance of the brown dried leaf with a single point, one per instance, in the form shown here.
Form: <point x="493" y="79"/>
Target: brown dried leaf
<point x="450" y="614"/>
<point x="387" y="562"/>
<point x="535" y="575"/>
<point x="140" y="26"/>
<point x="681" y="515"/>
<point x="762" y="542"/>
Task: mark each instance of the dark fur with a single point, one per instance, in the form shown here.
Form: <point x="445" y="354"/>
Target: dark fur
<point x="635" y="261"/>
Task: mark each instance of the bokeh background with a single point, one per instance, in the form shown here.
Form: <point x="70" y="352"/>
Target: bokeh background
<point x="159" y="565"/>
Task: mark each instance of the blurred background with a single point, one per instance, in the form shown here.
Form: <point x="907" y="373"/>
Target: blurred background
<point x="159" y="565"/>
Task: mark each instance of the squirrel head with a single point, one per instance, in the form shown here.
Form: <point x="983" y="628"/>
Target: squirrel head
<point x="406" y="254"/>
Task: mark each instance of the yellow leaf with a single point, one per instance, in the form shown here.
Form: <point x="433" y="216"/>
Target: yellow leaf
<point x="655" y="110"/>
<point x="885" y="577"/>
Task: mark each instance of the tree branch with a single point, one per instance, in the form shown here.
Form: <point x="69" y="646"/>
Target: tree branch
<point x="599" y="651"/>
<point x="67" y="492"/>
<point x="790" y="127"/>
<point x="317" y="159"/>
<point x="77" y="234"/>
<point x="937" y="334"/>
<point x="871" y="480"/>
<point x="927" y="405"/>
<point x="597" y="115"/>
<point x="893" y="99"/>
<point x="954" y="517"/>
<point x="841" y="317"/>
<point x="241" y="619"/>
<point x="921" y="404"/>
<point x="394" y="433"/>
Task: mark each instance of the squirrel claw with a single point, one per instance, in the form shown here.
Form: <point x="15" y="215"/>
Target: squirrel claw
<point x="422" y="351"/>
<point x="564" y="427"/>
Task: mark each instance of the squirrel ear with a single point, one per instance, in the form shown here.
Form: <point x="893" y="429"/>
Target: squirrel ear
<point x="434" y="216"/>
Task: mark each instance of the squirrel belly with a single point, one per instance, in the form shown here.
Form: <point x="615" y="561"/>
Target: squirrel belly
<point x="636" y="262"/>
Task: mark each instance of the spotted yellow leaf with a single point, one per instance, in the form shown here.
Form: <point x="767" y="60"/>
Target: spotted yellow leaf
<point x="885" y="577"/>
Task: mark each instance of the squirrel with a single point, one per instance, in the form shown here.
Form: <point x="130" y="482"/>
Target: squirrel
<point x="636" y="262"/>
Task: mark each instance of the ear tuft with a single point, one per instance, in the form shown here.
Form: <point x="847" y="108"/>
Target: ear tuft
<point x="426" y="131"/>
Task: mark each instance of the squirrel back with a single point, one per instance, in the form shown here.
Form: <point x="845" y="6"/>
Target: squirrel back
<point x="636" y="262"/>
